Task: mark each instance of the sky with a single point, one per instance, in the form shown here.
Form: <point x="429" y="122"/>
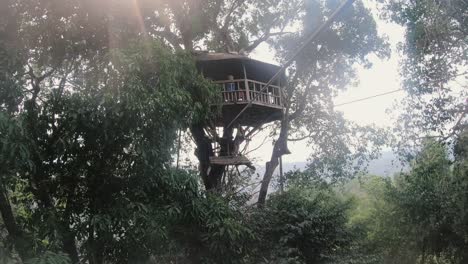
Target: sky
<point x="382" y="77"/>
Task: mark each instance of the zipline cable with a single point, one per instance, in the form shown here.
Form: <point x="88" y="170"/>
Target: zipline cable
<point x="295" y="54"/>
<point x="369" y="97"/>
<point x="390" y="92"/>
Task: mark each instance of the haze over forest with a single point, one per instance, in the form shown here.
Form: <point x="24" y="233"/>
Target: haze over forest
<point x="153" y="131"/>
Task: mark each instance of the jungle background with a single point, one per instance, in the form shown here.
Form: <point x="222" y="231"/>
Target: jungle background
<point x="93" y="95"/>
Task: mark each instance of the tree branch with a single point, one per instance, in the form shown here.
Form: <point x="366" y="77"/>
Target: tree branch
<point x="300" y="138"/>
<point x="302" y="103"/>
<point x="262" y="39"/>
<point x="170" y="37"/>
<point x="227" y="18"/>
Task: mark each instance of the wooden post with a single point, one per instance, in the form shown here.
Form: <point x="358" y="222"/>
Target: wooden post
<point x="281" y="179"/>
<point x="178" y="148"/>
<point x="280" y="92"/>
<point x="246" y="83"/>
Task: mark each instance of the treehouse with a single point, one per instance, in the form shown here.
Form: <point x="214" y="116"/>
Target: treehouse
<point x="242" y="81"/>
<point x="245" y="101"/>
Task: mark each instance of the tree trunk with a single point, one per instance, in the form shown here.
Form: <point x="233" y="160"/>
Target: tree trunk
<point x="68" y="243"/>
<point x="464" y="258"/>
<point x="423" y="251"/>
<point x="203" y="152"/>
<point x="212" y="174"/>
<point x="62" y="226"/>
<point x="68" y="236"/>
<point x="20" y="242"/>
<point x="279" y="149"/>
<point x="41" y="190"/>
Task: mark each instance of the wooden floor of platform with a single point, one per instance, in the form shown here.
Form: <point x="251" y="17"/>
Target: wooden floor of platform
<point x="230" y="160"/>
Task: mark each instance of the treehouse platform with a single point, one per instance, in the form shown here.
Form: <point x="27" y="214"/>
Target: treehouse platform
<point x="241" y="81"/>
<point x="230" y="160"/>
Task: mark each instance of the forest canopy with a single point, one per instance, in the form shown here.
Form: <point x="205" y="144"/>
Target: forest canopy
<point x="94" y="97"/>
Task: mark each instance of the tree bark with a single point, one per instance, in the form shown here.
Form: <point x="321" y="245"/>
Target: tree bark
<point x="423" y="251"/>
<point x="68" y="243"/>
<point x="62" y="226"/>
<point x="203" y="152"/>
<point x="68" y="236"/>
<point x="464" y="258"/>
<point x="20" y="242"/>
<point x="212" y="174"/>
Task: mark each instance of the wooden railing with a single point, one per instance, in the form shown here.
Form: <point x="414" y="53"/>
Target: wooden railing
<point x="244" y="90"/>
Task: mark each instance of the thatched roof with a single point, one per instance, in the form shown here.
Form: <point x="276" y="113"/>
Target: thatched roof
<point x="218" y="65"/>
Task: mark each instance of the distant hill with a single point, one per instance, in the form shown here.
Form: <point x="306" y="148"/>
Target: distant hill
<point x="386" y="165"/>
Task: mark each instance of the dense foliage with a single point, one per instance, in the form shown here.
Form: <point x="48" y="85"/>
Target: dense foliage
<point x="303" y="225"/>
<point x="419" y="216"/>
<point x="93" y="94"/>
<point x="87" y="164"/>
